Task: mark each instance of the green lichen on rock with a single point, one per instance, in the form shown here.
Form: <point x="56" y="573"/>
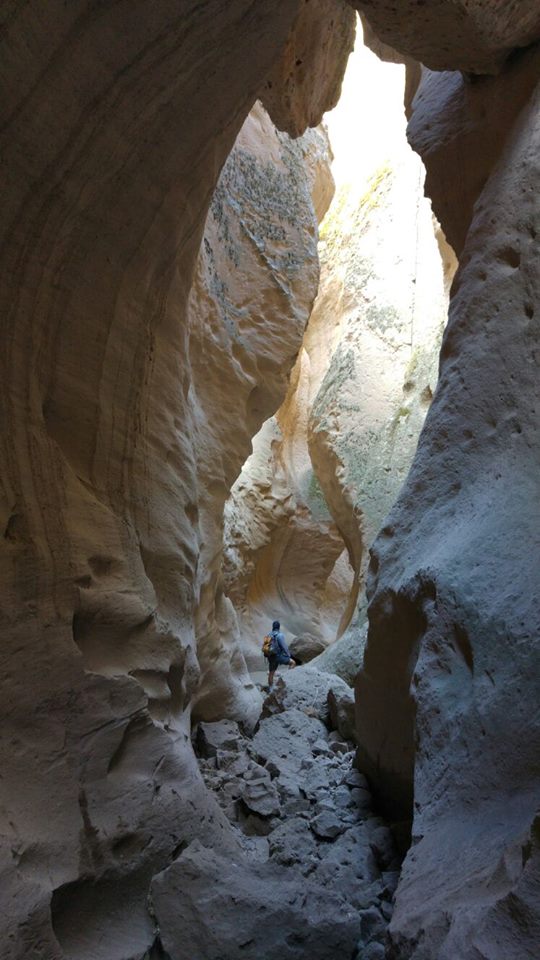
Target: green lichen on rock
<point x="264" y="200"/>
<point x="316" y="500"/>
<point x="382" y="317"/>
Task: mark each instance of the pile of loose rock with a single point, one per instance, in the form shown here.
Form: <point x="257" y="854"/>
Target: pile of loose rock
<point x="297" y="802"/>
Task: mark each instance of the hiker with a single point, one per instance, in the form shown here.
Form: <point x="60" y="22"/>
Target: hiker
<point x="279" y="653"/>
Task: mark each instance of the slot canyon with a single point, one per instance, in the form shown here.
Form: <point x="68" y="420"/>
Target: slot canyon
<point x="271" y="306"/>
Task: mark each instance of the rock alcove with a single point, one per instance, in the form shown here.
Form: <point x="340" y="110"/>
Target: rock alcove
<point x="134" y="375"/>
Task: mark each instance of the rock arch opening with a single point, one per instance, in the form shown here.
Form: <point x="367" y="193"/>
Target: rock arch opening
<point x="327" y="466"/>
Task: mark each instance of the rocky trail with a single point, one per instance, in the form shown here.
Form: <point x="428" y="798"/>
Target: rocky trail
<point x="317" y="867"/>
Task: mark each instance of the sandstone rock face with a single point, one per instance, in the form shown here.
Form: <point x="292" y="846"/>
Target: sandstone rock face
<point x="111" y="147"/>
<point x="366" y="416"/>
<point x="447" y="701"/>
<point x="284" y="557"/>
<point x="254" y="287"/>
<point x="115" y="125"/>
<point x="306" y="81"/>
<point x="472" y="35"/>
<point x="460" y="129"/>
<point x="326" y="469"/>
<point x="284" y="554"/>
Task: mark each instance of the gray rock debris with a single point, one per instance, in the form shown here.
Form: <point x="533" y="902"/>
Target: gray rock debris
<point x="213" y="737"/>
<point x="307" y="836"/>
<point x="232" y="909"/>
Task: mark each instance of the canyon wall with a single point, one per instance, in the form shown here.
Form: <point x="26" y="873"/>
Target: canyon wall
<point x="447" y="702"/>
<point x="116" y="123"/>
<point x="254" y="288"/>
<point x="326" y="469"/>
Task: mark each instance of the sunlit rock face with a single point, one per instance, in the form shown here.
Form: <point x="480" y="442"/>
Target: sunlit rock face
<point x="326" y="470"/>
<point x="254" y="288"/>
<point x="113" y="137"/>
<point x="447" y="703"/>
<point x="284" y="556"/>
<point x="367" y="415"/>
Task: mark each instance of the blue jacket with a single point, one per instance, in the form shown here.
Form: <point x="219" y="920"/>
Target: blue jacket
<point x="281" y="647"/>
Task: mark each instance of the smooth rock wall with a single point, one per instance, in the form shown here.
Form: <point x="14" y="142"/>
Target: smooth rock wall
<point x="254" y="288"/>
<point x="116" y="122"/>
<point x="447" y="703"/>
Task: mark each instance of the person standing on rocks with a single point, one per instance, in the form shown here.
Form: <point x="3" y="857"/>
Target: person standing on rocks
<point x="279" y="653"/>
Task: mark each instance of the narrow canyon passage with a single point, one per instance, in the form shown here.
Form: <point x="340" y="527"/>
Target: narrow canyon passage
<point x="243" y="379"/>
<point x="327" y="466"/>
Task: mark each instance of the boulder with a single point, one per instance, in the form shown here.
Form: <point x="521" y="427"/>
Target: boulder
<point x="341" y="711"/>
<point x="293" y="843"/>
<point x="327" y="825"/>
<point x="210" y="738"/>
<point x="261" y="797"/>
<point x="306" y="647"/>
<point x="287" y="738"/>
<point x="344" y="657"/>
<point x="305" y="689"/>
<point x="215" y="907"/>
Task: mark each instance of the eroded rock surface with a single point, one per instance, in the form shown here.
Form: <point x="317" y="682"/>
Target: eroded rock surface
<point x="114" y="130"/>
<point x="113" y="136"/>
<point x="326" y="469"/>
<point x="460" y="128"/>
<point x="447" y="701"/>
<point x="475" y="36"/>
<point x="306" y="81"/>
<point x="254" y="287"/>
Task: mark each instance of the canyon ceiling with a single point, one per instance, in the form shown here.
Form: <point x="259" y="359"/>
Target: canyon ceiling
<point x="137" y="366"/>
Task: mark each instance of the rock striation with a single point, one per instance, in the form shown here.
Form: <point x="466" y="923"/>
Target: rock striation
<point x="254" y="287"/>
<point x="113" y="137"/>
<point x="116" y="123"/>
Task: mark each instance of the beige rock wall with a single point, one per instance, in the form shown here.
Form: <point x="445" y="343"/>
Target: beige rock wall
<point x="368" y="412"/>
<point x="326" y="470"/>
<point x="116" y="121"/>
<point x="281" y="545"/>
<point x="254" y="288"/>
<point x="459" y="128"/>
<point x="115" y="126"/>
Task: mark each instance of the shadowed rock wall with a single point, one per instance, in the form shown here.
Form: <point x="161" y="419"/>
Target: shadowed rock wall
<point x="116" y="122"/>
<point x="447" y="709"/>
